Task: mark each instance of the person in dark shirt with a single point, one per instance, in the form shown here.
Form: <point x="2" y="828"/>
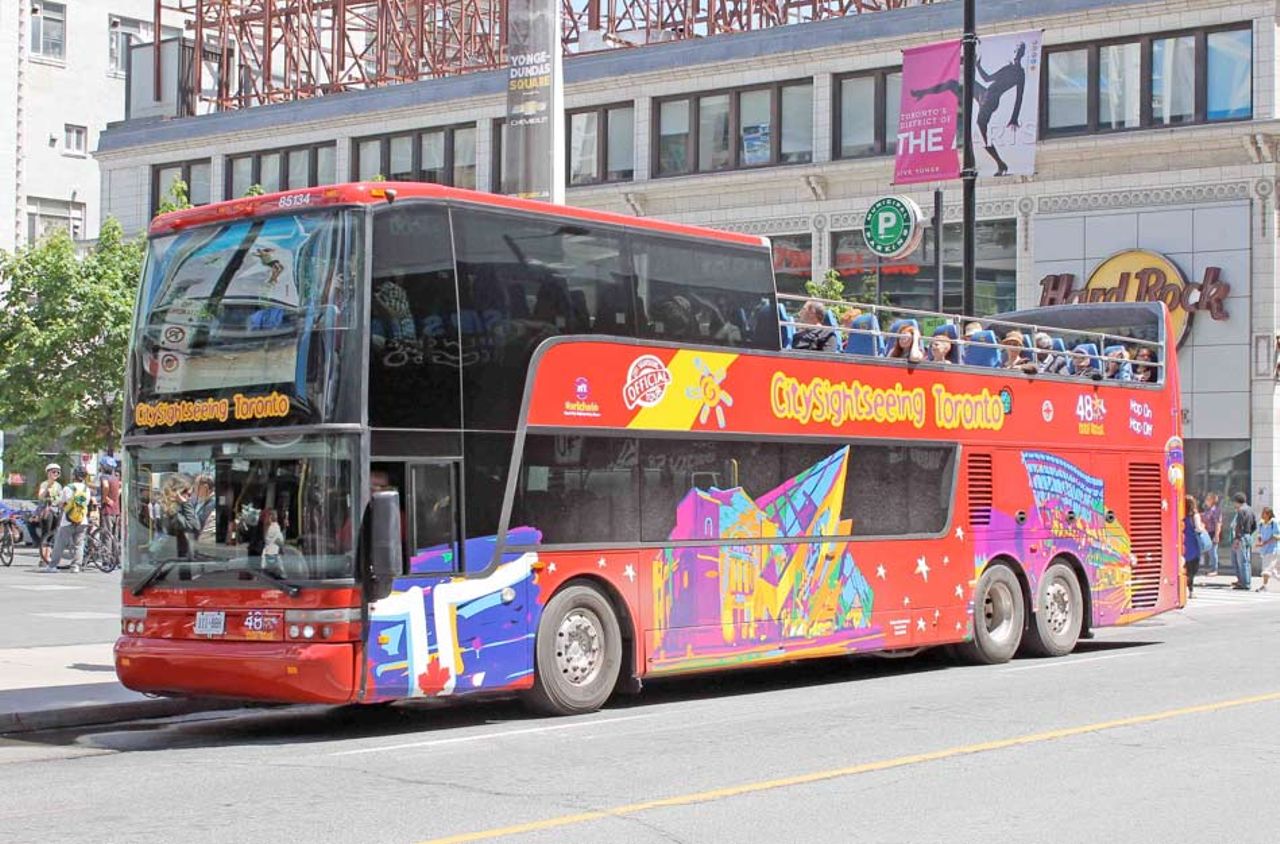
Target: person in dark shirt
<point x="814" y="336"/>
<point x="1243" y="526"/>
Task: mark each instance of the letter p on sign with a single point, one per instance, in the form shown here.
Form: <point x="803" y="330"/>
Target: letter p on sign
<point x="886" y="222"/>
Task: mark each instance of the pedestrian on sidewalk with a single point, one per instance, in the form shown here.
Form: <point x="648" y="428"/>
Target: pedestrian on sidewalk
<point x="1211" y="515"/>
<point x="1243" y="526"/>
<point x="1269" y="546"/>
<point x="75" y="523"/>
<point x="1192" y="528"/>
<point x="47" y="498"/>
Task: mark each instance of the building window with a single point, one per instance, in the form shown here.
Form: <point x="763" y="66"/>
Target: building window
<point x="792" y="262"/>
<point x="1221" y="467"/>
<point x="443" y="156"/>
<point x="281" y="169"/>
<point x="910" y="281"/>
<point x="48" y="216"/>
<point x="1180" y="78"/>
<point x="75" y="139"/>
<point x="866" y="113"/>
<point x="195" y="174"/>
<point x="48" y="30"/>
<point x="728" y="130"/>
<point x="601" y="145"/>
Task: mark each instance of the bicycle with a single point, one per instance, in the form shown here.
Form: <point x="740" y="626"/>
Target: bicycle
<point x="101" y="549"/>
<point x="10" y="536"/>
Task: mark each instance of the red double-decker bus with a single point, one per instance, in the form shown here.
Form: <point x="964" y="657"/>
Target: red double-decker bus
<point x="390" y="441"/>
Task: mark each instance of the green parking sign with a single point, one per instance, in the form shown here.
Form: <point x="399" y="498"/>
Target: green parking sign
<point x="892" y="226"/>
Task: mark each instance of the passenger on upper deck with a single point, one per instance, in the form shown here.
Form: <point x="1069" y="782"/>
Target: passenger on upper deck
<point x="1046" y="359"/>
<point x="1142" y="371"/>
<point x="1083" y="363"/>
<point x="847" y="318"/>
<point x="940" y="349"/>
<point x="815" y="336"/>
<point x="1013" y="356"/>
<point x="1117" y="365"/>
<point x="907" y="344"/>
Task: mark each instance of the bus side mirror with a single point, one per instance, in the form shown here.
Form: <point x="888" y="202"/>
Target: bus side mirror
<point x="386" y="557"/>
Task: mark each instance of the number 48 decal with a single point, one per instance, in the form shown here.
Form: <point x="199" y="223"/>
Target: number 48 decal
<point x="1090" y="408"/>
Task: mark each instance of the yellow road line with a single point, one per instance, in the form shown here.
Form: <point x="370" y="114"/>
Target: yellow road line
<point x="853" y="770"/>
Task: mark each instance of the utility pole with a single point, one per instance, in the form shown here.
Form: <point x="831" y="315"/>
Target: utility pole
<point x="937" y="251"/>
<point x="968" y="170"/>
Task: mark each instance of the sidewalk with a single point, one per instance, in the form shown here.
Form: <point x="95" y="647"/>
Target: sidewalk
<point x="45" y="688"/>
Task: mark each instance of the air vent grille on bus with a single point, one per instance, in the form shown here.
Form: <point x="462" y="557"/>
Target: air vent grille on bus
<point x="1146" y="519"/>
<point x="980" y="489"/>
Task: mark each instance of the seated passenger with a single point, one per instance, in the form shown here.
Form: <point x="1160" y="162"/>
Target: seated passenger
<point x="815" y="336"/>
<point x="847" y="318"/>
<point x="1047" y="358"/>
<point x="971" y="329"/>
<point x="1117" y="366"/>
<point x="940" y="349"/>
<point x="1083" y="362"/>
<point x="1142" y="370"/>
<point x="1013" y="355"/>
<point x="907" y="343"/>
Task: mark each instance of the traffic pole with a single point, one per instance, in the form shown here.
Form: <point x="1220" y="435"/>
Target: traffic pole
<point x="937" y="251"/>
<point x="969" y="172"/>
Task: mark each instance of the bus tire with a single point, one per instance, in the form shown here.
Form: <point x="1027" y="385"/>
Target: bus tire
<point x="999" y="616"/>
<point x="1054" y="628"/>
<point x="577" y="653"/>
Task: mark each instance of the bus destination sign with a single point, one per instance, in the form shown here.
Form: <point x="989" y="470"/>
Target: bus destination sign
<point x="238" y="408"/>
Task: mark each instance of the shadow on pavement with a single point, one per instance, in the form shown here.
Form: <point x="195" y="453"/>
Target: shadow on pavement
<point x="295" y="725"/>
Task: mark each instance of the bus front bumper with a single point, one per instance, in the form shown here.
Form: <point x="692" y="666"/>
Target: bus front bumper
<point x="282" y="672"/>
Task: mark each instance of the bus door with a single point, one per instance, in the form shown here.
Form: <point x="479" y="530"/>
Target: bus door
<point x="402" y="639"/>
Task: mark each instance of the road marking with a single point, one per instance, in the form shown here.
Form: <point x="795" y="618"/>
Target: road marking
<point x="840" y="773"/>
<point x="495" y="735"/>
<point x="44" y="587"/>
<point x="1058" y="663"/>
<point x="77" y="615"/>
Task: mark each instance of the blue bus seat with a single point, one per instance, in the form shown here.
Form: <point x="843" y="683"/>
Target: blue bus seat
<point x="985" y="355"/>
<point x="835" y="323"/>
<point x="787" y="332"/>
<point x="865" y="339"/>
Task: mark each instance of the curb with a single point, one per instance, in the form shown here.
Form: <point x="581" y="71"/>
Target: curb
<point x="109" y="713"/>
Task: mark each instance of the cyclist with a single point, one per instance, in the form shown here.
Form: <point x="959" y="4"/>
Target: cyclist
<point x="75" y="522"/>
<point x="48" y="495"/>
<point x="109" y="495"/>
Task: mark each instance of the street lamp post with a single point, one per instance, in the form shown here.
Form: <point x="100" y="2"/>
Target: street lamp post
<point x="969" y="171"/>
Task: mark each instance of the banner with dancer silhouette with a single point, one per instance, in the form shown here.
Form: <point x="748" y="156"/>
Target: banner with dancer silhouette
<point x="1006" y="96"/>
<point x="929" y="116"/>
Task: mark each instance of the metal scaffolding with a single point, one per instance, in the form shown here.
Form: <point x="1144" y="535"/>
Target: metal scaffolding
<point x="267" y="51"/>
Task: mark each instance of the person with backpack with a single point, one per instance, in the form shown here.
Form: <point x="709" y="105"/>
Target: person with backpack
<point x="74" y="525"/>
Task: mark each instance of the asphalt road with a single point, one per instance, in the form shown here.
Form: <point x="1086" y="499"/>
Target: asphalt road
<point x="1164" y="731"/>
<point x="37" y="610"/>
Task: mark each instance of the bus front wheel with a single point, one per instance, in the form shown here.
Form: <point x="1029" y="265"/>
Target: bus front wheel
<point x="998" y="618"/>
<point x="578" y="653"/>
<point x="1055" y="626"/>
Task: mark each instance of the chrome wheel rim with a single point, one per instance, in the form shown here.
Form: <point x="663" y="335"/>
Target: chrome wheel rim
<point x="1058" y="611"/>
<point x="997" y="611"/>
<point x="579" y="647"/>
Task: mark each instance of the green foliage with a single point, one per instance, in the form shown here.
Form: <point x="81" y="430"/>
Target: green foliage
<point x="830" y="286"/>
<point x="176" y="198"/>
<point x="254" y="190"/>
<point x="378" y="177"/>
<point x="64" y="336"/>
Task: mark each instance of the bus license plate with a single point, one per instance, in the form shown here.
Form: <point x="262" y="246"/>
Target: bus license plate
<point x="211" y="623"/>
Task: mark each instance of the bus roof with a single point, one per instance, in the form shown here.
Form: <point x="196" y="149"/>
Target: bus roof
<point x="369" y="193"/>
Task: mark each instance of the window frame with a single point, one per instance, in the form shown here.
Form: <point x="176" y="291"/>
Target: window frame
<point x="693" y="98"/>
<point x="415" y="135"/>
<point x="880" y="97"/>
<point x="1093" y="124"/>
<point x="602" y="144"/>
<point x="255" y="175"/>
<point x="34" y="46"/>
<point x="157" y="191"/>
<point x="641" y="437"/>
<point x="80" y="133"/>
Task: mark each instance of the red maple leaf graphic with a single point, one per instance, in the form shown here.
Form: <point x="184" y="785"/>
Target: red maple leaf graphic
<point x="432" y="681"/>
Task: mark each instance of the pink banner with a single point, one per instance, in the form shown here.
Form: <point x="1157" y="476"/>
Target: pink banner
<point x="929" y="114"/>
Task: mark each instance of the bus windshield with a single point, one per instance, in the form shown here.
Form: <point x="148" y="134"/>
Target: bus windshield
<point x="282" y="505"/>
<point x="252" y="307"/>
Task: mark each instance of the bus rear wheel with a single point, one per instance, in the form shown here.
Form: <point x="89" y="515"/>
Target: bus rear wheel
<point x="998" y="618"/>
<point x="1054" y="628"/>
<point x="577" y="654"/>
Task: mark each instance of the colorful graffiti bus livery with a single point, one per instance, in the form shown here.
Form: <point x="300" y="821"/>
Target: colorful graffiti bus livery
<point x="414" y="441"/>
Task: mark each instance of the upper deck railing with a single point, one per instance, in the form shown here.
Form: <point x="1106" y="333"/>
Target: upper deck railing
<point x="982" y="343"/>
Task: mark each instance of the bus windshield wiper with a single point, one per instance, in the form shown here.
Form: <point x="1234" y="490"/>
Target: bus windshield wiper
<point x="158" y="572"/>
